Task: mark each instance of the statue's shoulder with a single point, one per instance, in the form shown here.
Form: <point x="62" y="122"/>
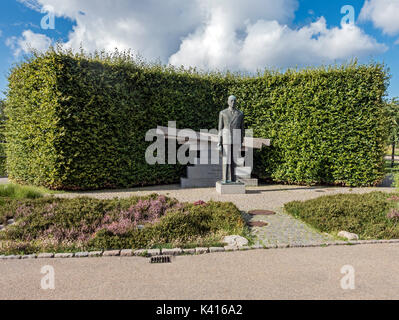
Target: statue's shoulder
<point x="224" y="111"/>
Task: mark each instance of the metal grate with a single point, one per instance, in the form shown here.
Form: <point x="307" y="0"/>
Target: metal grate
<point x="160" y="259"/>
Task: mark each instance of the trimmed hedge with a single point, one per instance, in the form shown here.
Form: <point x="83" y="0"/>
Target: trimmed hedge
<point x="79" y="122"/>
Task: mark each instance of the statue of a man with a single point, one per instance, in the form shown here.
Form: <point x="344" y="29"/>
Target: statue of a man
<point x="231" y="137"/>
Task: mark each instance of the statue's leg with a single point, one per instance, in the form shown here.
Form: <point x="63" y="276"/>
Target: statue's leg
<point x="227" y="160"/>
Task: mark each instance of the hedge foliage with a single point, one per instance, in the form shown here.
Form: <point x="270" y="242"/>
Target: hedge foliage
<point x="79" y="121"/>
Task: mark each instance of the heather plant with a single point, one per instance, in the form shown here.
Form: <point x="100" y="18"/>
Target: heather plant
<point x="372" y="215"/>
<point x="91" y="224"/>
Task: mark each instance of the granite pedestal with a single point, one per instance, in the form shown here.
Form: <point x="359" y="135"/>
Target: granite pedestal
<point x="230" y="188"/>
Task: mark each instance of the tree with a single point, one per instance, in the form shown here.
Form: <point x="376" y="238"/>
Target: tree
<point x="393" y="115"/>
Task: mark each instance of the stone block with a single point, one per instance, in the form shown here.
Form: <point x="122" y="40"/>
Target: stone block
<point x="201" y="250"/>
<point x="230" y="188"/>
<point x="111" y="253"/>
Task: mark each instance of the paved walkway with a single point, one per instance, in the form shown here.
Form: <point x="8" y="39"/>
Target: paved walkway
<point x="281" y="229"/>
<point x="299" y="273"/>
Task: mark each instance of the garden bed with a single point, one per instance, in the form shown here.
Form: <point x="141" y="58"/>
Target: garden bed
<point x="371" y="216"/>
<point x="85" y="224"/>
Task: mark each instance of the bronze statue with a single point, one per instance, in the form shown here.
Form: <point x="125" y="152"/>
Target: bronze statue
<point x="231" y="137"/>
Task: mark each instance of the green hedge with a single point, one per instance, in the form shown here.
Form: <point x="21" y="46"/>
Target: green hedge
<point x="79" y="122"/>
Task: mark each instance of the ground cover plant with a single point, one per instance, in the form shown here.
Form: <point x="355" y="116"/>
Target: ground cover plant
<point x="16" y="191"/>
<point x="53" y="224"/>
<point x="372" y="215"/>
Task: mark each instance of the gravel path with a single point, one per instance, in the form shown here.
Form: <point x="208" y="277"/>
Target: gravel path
<point x="299" y="273"/>
<point x="281" y="229"/>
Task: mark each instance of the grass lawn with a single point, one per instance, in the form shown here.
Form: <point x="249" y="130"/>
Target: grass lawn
<point x="51" y="224"/>
<point x="372" y="215"/>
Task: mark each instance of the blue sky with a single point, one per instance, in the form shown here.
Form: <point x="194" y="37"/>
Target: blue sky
<point x="243" y="35"/>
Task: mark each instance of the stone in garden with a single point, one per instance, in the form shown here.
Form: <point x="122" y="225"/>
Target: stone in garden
<point x="216" y="249"/>
<point x="45" y="255"/>
<point x="235" y="241"/>
<point x="153" y="252"/>
<point x="201" y="250"/>
<point x="347" y="235"/>
<point x="230" y="248"/>
<point x="172" y="252"/>
<point x="126" y="253"/>
<point x="10" y="221"/>
<point x="140" y="252"/>
<point x="95" y="254"/>
<point x="111" y="253"/>
<point x="189" y="251"/>
<point x="1" y="227"/>
<point x="81" y="254"/>
<point x="63" y="255"/>
<point x="29" y="256"/>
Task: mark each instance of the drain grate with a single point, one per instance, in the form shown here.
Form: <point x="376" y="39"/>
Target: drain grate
<point x="261" y="213"/>
<point x="257" y="224"/>
<point x="160" y="259"/>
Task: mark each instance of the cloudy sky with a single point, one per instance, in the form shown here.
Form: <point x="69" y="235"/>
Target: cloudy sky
<point x="244" y="35"/>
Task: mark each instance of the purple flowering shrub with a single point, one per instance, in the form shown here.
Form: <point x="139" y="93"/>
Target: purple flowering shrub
<point x="57" y="224"/>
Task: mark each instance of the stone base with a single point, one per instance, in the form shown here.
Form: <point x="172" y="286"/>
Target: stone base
<point x="249" y="181"/>
<point x="230" y="188"/>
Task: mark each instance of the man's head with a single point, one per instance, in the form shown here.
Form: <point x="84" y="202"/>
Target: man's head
<point x="232" y="101"/>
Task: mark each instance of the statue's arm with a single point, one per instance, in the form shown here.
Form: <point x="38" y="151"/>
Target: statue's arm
<point x="220" y="128"/>
<point x="242" y="130"/>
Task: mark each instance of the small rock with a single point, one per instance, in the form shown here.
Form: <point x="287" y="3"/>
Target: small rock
<point x="84" y="254"/>
<point x="154" y="252"/>
<point x="235" y="241"/>
<point x="10" y="221"/>
<point x="216" y="249"/>
<point x="93" y="254"/>
<point x="45" y="255"/>
<point x="29" y="256"/>
<point x="201" y="250"/>
<point x="347" y="235"/>
<point x="1" y="227"/>
<point x="140" y="252"/>
<point x="63" y="255"/>
<point x="257" y="246"/>
<point x="126" y="253"/>
<point x="111" y="253"/>
<point x="283" y="246"/>
<point x="172" y="252"/>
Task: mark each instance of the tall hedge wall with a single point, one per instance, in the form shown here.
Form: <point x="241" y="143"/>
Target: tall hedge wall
<point x="79" y="122"/>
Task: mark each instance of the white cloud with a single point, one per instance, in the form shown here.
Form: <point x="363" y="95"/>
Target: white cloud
<point x="234" y="34"/>
<point x="383" y="14"/>
<point x="271" y="44"/>
<point x="28" y="42"/>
